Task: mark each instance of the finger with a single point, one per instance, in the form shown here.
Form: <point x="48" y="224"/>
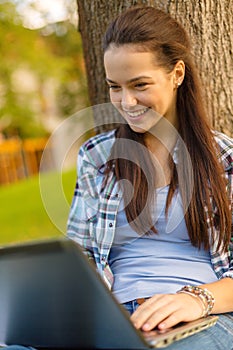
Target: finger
<point x="172" y="320"/>
<point x="144" y="311"/>
<point x="188" y="309"/>
<point x="153" y="306"/>
<point x="161" y="315"/>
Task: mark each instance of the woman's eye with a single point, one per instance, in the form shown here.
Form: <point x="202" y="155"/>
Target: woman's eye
<point x="114" y="87"/>
<point x="141" y="85"/>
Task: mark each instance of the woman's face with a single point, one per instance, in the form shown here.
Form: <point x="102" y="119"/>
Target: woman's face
<point x="141" y="91"/>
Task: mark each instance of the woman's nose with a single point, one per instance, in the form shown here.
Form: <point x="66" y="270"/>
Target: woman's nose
<point x="128" y="99"/>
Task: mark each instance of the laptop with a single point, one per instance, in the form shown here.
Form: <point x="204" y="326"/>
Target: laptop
<point x="51" y="297"/>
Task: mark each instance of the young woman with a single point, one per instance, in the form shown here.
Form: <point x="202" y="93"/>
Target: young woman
<point x="153" y="201"/>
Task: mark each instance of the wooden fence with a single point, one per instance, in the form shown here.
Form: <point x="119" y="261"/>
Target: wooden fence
<point x="20" y="159"/>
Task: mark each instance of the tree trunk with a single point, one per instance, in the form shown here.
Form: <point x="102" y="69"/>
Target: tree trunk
<point x="210" y="25"/>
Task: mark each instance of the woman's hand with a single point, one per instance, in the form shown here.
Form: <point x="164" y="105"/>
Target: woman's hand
<point x="166" y="310"/>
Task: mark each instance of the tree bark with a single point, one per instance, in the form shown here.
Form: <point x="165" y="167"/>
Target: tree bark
<point x="210" y="26"/>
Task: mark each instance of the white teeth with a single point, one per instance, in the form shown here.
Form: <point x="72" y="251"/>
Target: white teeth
<point x="136" y="113"/>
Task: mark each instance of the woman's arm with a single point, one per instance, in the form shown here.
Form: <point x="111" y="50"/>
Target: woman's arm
<point x="82" y="208"/>
<point x="223" y="294"/>
<point x="92" y="156"/>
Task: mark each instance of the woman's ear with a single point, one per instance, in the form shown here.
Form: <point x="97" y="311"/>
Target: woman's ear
<point x="178" y="73"/>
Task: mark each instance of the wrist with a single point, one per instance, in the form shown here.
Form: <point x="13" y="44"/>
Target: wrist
<point x="204" y="296"/>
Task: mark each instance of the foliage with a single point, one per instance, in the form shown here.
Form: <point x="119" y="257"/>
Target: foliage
<point x="46" y="58"/>
<point x="72" y="91"/>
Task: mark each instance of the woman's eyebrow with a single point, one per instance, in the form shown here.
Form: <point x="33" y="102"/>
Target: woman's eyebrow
<point x="110" y="81"/>
<point x="133" y="80"/>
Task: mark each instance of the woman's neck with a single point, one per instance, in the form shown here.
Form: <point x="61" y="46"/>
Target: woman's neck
<point x="161" y="142"/>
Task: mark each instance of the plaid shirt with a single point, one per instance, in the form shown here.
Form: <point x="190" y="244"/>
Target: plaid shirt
<point x="92" y="219"/>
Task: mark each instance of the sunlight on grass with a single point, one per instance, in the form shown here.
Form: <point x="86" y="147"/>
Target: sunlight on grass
<point x="23" y="216"/>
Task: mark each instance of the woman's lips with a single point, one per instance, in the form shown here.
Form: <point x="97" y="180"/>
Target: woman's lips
<point x="135" y="115"/>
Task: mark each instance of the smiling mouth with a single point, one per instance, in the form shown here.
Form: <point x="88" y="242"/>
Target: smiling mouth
<point x="136" y="114"/>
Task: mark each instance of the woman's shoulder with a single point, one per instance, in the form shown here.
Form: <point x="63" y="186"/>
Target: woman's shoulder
<point x="225" y="144"/>
<point x="223" y="139"/>
<point x="98" y="147"/>
<point x="98" y="141"/>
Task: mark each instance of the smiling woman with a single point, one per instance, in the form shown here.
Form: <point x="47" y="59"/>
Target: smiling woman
<point x="137" y="85"/>
<point x="151" y="204"/>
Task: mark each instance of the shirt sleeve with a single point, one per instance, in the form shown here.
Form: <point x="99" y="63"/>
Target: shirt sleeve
<point x="84" y="204"/>
<point x="226" y="156"/>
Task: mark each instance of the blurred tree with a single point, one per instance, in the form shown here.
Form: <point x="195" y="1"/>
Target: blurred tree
<point x="210" y="24"/>
<point x="37" y="67"/>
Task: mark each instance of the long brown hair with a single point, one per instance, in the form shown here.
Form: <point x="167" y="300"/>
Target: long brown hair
<point x="153" y="30"/>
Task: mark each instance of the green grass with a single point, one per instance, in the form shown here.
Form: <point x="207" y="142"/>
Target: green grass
<point x="36" y="208"/>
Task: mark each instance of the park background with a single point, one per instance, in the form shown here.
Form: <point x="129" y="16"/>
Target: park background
<point x="51" y="69"/>
<point x="42" y="82"/>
